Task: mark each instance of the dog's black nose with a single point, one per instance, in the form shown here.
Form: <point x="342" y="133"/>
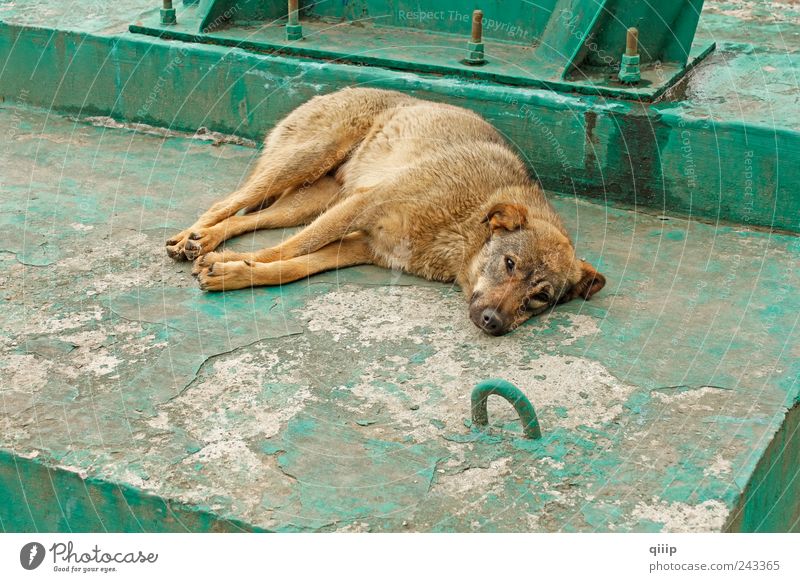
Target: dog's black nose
<point x="491" y="322"/>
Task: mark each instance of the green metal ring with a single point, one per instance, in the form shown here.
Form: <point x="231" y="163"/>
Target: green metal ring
<point x="523" y="406"/>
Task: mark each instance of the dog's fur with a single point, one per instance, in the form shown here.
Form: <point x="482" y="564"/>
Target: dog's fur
<point x="383" y="178"/>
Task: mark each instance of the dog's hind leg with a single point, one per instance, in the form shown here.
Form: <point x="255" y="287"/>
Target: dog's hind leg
<point x="313" y="140"/>
<point x="300" y="206"/>
<point x="280" y="169"/>
<point x="352" y="250"/>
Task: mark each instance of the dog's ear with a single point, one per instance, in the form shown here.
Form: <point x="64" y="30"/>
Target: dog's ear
<point x="590" y="282"/>
<point x="506" y="216"/>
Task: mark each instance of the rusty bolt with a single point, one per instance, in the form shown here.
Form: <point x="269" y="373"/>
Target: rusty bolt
<point x="632" y="42"/>
<point x="629" y="72"/>
<point x="293" y="8"/>
<point x="477" y="26"/>
<point x="475" y="55"/>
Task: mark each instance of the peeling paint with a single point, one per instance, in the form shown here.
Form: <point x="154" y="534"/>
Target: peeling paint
<point x="682" y="517"/>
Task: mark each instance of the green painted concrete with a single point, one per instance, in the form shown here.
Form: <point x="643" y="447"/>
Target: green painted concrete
<point x="720" y="146"/>
<point x="131" y="399"/>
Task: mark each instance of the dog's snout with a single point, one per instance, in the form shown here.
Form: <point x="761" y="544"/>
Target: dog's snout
<point x="491" y="322"/>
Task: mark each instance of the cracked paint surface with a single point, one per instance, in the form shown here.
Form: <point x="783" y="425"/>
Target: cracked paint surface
<point x="342" y="402"/>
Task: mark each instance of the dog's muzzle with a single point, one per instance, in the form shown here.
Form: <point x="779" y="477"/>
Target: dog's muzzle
<point x="489" y="320"/>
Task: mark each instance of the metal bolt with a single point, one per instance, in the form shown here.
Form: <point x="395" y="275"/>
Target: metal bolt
<point x="475" y="48"/>
<point x="294" y="30"/>
<point x="632" y="42"/>
<point x="629" y="72"/>
<point x="477" y="26"/>
<point x="168" y="13"/>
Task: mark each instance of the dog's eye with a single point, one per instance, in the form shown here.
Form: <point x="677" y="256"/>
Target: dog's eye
<point x="510" y="264"/>
<point x="543" y="297"/>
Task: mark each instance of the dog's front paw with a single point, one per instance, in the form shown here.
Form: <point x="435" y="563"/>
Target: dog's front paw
<point x="200" y="242"/>
<point x="175" y="245"/>
<point x="203" y="262"/>
<point x="224" y="276"/>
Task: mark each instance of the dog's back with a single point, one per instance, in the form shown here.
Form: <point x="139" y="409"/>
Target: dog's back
<point x="430" y="170"/>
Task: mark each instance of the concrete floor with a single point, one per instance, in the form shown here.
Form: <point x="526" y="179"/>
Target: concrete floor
<point x="342" y="402"/>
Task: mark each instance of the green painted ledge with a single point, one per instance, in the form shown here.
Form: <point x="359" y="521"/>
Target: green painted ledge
<point x="35" y="497"/>
<point x="687" y="160"/>
<point x="771" y="500"/>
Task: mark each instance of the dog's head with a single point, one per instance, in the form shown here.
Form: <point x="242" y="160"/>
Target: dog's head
<point x="526" y="266"/>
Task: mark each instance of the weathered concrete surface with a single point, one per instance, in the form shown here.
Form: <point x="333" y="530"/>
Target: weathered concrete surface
<point x="342" y="402"/>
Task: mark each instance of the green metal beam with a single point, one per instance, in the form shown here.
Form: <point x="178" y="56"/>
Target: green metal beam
<point x="562" y="45"/>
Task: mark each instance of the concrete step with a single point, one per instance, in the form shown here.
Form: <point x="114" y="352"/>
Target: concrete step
<point x="721" y="146"/>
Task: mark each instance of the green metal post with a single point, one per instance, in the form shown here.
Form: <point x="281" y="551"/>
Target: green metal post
<point x="629" y="72"/>
<point x="168" y="13"/>
<point x="294" y="30"/>
<point x="475" y="49"/>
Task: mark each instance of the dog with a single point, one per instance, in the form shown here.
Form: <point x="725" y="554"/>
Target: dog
<point x="383" y="178"/>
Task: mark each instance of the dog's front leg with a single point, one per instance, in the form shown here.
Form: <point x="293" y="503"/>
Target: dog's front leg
<point x="352" y="250"/>
<point x="291" y="209"/>
<point x="333" y="225"/>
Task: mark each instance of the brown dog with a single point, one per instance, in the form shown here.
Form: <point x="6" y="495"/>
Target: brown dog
<point x="383" y="178"/>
